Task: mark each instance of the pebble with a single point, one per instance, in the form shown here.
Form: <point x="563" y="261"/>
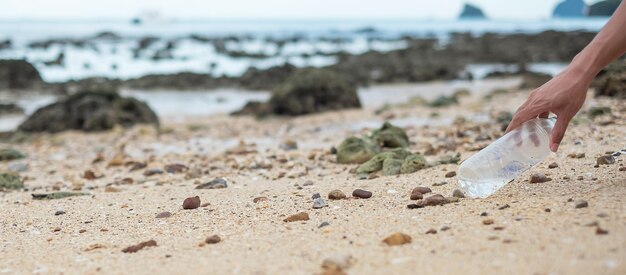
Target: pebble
<point x="175" y="168"/>
<point x="217" y="183"/>
<point x="336" y="195"/>
<point x="397" y="239"/>
<point x="553" y="165"/>
<point x="600" y="231"/>
<point x="308" y="183"/>
<point x="431" y="231"/>
<point x="487" y="221"/>
<point x="260" y="199"/>
<point x="504" y="207"/>
<point x="539" y="178"/>
<point x="451" y="199"/>
<point x="416" y="195"/>
<point x="318" y="202"/>
<point x="360" y="193"/>
<point x="605" y="160"/>
<point x="576" y="155"/>
<point x="323" y="224"/>
<point x="623" y="168"/>
<point x="152" y="172"/>
<point x="432" y="201"/>
<point x="163" y="215"/>
<point x="302" y="216"/>
<point x="421" y="189"/>
<point x="213" y="239"/>
<point x="450" y="174"/>
<point x="191" y="203"/>
<point x="140" y="246"/>
<point x="337" y="264"/>
<point x="89" y="175"/>
<point x="580" y="204"/>
<point x="58" y="213"/>
<point x="458" y="193"/>
<point x="548" y="210"/>
<point x="445" y="228"/>
<point x="440" y="183"/>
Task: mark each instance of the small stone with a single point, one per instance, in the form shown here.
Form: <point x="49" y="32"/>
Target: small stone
<point x="308" y="183"/>
<point x="151" y="172"/>
<point x="576" y="155"/>
<point x="605" y="160"/>
<point x="451" y="199"/>
<point x="445" y="228"/>
<point x="416" y="195"/>
<point x="553" y="165"/>
<point x="89" y="175"/>
<point x="336" y="195"/>
<point x="458" y="193"/>
<point x="135" y="165"/>
<point x="163" y="215"/>
<point x="548" y="210"/>
<point x="175" y="168"/>
<point x="580" y="178"/>
<point x="213" y="239"/>
<point x="602" y="215"/>
<point x="498" y="228"/>
<point x="140" y="246"/>
<point x="397" y="239"/>
<point x="318" y="202"/>
<point x="337" y="264"/>
<point x="360" y="193"/>
<point x="302" y="216"/>
<point x="58" y="213"/>
<point x="191" y="203"/>
<point x="288" y="145"/>
<point x="260" y="199"/>
<point x="111" y="189"/>
<point x="421" y="189"/>
<point x="580" y="204"/>
<point x="539" y="178"/>
<point x="450" y="174"/>
<point x="600" y="231"/>
<point x="504" y="207"/>
<point x="431" y="231"/>
<point x="323" y="224"/>
<point x="440" y="183"/>
<point x="623" y="168"/>
<point x="217" y="183"/>
<point x="487" y="221"/>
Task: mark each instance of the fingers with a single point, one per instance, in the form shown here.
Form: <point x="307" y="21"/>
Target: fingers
<point x="522" y="115"/>
<point x="558" y="131"/>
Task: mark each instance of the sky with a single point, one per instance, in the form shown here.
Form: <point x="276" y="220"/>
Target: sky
<point x="271" y="9"/>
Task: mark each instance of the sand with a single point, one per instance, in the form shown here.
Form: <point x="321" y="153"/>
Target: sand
<point x="524" y="238"/>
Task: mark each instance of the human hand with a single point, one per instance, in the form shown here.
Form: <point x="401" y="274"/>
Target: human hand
<point x="563" y="95"/>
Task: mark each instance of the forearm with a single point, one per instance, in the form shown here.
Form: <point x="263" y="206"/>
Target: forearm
<point x="609" y="44"/>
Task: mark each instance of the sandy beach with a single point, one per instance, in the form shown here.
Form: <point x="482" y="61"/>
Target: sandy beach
<point x="525" y="228"/>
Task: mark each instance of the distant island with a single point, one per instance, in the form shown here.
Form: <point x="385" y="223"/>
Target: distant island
<point x="578" y="8"/>
<point x="472" y="12"/>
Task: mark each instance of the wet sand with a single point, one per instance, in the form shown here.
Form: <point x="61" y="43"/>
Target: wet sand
<point x="524" y="238"/>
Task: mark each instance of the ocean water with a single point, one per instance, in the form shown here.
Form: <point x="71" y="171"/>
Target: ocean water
<point x="318" y="42"/>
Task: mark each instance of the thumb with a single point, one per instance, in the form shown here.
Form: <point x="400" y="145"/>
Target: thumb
<point x="559" y="131"/>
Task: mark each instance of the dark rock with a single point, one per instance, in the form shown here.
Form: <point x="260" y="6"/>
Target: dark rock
<point x="57" y="195"/>
<point x="431" y="231"/>
<point x="163" y="215"/>
<point x="570" y="8"/>
<point x="580" y="204"/>
<point x="18" y="74"/>
<point x="260" y="199"/>
<point x="191" y="203"/>
<point x="151" y="172"/>
<point x="93" y="110"/>
<point x="175" y="168"/>
<point x="140" y="246"/>
<point x="416" y="195"/>
<point x="360" y="193"/>
<point x="488" y="221"/>
<point x="356" y="150"/>
<point x="213" y="239"/>
<point x="302" y="216"/>
<point x="10" y="154"/>
<point x="217" y="183"/>
<point x="553" y="165"/>
<point x="611" y="81"/>
<point x="605" y="160"/>
<point x="59" y="212"/>
<point x="472" y="12"/>
<point x="450" y="174"/>
<point x="318" y="202"/>
<point x="504" y="207"/>
<point x="336" y="195"/>
<point x="603" y="8"/>
<point x="440" y="183"/>
<point x="323" y="224"/>
<point x="421" y="189"/>
<point x="539" y="178"/>
<point x="600" y="231"/>
<point x="390" y="136"/>
<point x="533" y="80"/>
<point x="599" y="111"/>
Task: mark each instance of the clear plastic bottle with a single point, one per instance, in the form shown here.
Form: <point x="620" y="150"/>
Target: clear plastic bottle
<point x="497" y="164"/>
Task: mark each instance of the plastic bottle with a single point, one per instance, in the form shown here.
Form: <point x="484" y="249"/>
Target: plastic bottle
<point x="497" y="164"/>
